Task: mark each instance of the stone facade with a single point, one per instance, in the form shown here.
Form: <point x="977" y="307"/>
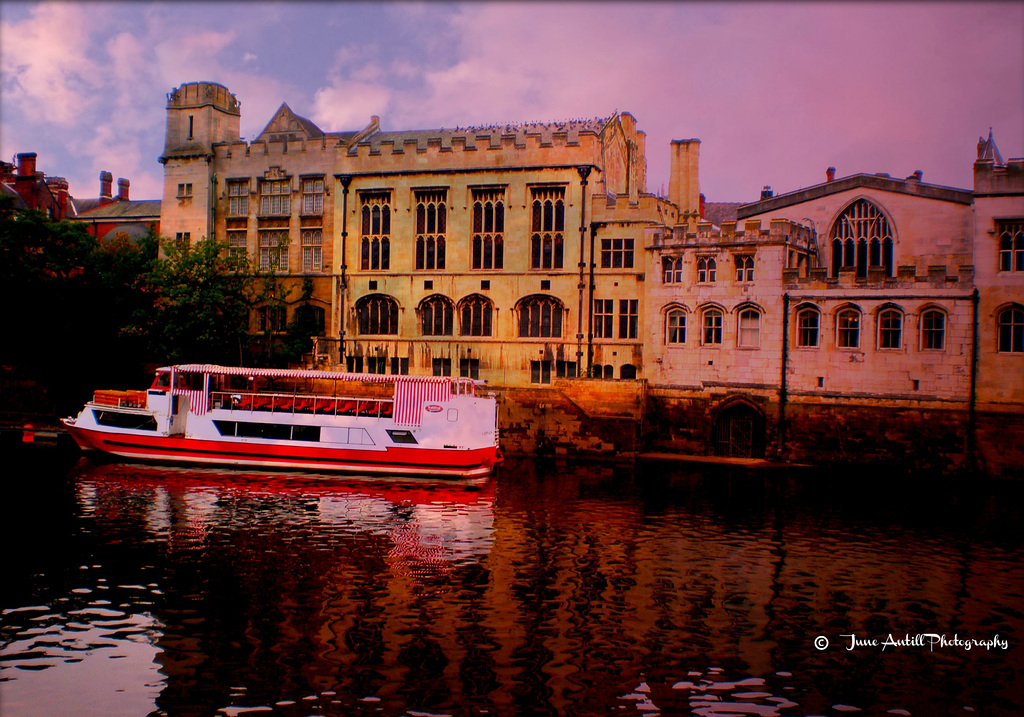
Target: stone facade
<point x="453" y="251"/>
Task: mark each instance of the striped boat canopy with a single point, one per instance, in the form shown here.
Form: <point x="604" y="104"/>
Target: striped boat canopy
<point x="411" y="392"/>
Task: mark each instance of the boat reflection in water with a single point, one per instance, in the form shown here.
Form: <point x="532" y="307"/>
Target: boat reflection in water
<point x="575" y="592"/>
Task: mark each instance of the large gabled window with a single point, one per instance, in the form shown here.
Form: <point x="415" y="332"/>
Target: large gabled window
<point x="861" y="238"/>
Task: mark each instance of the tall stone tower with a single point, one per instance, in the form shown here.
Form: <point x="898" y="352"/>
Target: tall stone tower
<point x="199" y="115"/>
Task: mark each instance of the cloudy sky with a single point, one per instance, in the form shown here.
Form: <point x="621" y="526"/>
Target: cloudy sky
<point x="776" y="92"/>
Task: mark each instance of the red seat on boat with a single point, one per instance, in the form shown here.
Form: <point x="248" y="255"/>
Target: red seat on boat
<point x="387" y="409"/>
<point x="348" y="408"/>
<point x="325" y="405"/>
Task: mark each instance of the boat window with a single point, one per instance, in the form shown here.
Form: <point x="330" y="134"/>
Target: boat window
<point x="270" y="431"/>
<point x="402" y="436"/>
<point x="453" y="415"/>
<point x="117" y="419"/>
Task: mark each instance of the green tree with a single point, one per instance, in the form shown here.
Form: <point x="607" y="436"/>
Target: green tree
<point x="202" y="297"/>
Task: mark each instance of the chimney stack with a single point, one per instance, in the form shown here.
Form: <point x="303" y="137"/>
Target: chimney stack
<point x="122" y="190"/>
<point x="59" y="187"/>
<point x="916" y="176"/>
<point x="830" y="174"/>
<point x="27" y="164"/>
<point x="106" y="180"/>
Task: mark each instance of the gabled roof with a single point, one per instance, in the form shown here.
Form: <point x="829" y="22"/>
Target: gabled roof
<point x="882" y="182"/>
<point x="286" y="125"/>
<point x="140" y="209"/>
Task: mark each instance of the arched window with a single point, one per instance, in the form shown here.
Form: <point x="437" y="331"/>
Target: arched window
<point x="933" y="330"/>
<point x="1011" y="246"/>
<point x="377" y="314"/>
<point x="713" y="322"/>
<point x="706" y="267"/>
<point x="748" y="334"/>
<point x="437" y="316"/>
<point x="808" y="327"/>
<point x="862" y="239"/>
<point x="627" y="371"/>
<point x="848" y="329"/>
<point x="476" y="314"/>
<point x="540" y="316"/>
<point x="675" y="326"/>
<point x="744" y="268"/>
<point x="672" y="270"/>
<point x="1011" y="330"/>
<point x="890" y="328"/>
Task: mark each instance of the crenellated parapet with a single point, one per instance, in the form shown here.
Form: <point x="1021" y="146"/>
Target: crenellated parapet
<point x="733" y="233"/>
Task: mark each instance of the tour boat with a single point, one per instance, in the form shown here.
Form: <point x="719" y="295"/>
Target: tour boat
<point x="298" y="419"/>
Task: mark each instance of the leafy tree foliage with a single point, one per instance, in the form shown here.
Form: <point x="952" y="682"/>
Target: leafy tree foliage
<point x="201" y="304"/>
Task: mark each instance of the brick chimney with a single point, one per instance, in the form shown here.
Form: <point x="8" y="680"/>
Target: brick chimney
<point x="122" y="190"/>
<point x="830" y="174"/>
<point x="26" y="183"/>
<point x="59" y="187"/>
<point x="7" y="174"/>
<point x="27" y="164"/>
<point x="106" y="180"/>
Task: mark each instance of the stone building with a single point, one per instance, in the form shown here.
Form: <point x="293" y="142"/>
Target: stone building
<point x="460" y="251"/>
<point x="860" y="318"/>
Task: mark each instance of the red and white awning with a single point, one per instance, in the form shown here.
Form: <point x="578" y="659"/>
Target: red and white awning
<point x="411" y="392"/>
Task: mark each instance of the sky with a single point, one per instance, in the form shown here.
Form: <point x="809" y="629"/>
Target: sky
<point x="775" y="91"/>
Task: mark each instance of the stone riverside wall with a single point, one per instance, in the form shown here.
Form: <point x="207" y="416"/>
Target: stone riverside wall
<point x="579" y="417"/>
<point x="625" y="419"/>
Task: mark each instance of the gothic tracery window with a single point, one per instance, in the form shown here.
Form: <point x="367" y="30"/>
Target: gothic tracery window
<point x="862" y="239"/>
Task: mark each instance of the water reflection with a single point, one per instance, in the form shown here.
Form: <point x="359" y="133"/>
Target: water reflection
<point x="570" y="591"/>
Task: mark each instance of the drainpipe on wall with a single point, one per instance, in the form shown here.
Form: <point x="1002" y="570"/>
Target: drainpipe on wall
<point x="783" y="396"/>
<point x="584" y="172"/>
<point x="972" y="427"/>
<point x="590" y="300"/>
<point x="346" y="180"/>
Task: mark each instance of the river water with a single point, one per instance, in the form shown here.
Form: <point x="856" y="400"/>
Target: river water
<point x="550" y="589"/>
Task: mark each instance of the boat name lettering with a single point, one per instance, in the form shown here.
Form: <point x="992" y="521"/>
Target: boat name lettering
<point x="433" y="408"/>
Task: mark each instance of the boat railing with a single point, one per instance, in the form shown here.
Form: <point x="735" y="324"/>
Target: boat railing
<point x="302" y="404"/>
<point x="120" y="399"/>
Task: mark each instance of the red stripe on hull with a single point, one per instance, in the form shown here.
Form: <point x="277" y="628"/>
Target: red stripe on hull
<point x="404" y="460"/>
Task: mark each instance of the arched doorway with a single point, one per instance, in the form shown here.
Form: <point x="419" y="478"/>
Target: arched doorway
<point x="739" y="432"/>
